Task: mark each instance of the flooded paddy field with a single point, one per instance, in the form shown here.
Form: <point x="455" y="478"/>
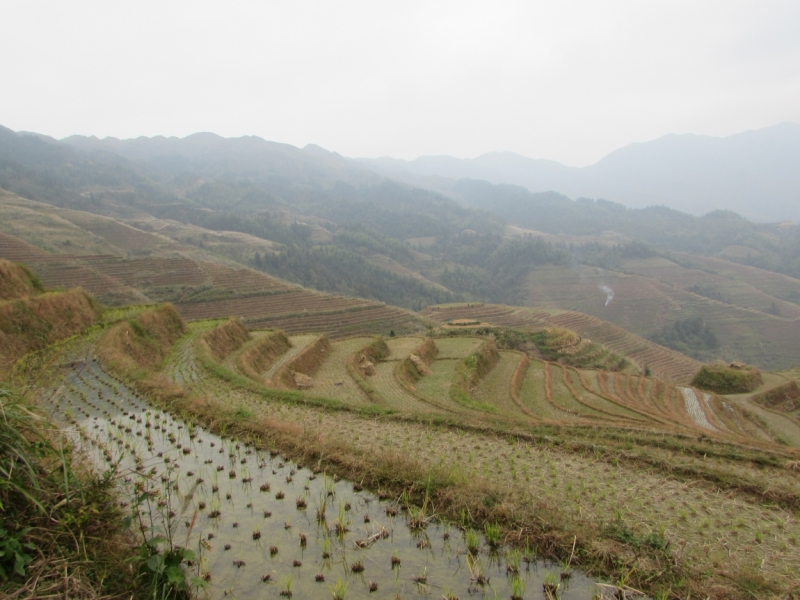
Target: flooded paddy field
<point x="264" y="527"/>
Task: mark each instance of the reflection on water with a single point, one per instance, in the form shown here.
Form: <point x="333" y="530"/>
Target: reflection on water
<point x="263" y="526"/>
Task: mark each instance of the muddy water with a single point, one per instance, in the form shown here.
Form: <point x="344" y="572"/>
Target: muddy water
<point x="256" y="520"/>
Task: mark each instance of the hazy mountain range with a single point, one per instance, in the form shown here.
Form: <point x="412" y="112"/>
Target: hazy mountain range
<point x="755" y="173"/>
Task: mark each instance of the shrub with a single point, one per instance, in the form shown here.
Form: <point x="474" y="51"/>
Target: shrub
<point x="725" y="379"/>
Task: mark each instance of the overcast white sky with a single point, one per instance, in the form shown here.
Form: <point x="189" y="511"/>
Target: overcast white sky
<point x="564" y="80"/>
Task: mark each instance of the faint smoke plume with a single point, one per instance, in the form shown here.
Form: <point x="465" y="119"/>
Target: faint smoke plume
<point x="608" y="292"/>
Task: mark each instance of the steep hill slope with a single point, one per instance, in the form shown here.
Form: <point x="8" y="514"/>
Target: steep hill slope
<point x="739" y="316"/>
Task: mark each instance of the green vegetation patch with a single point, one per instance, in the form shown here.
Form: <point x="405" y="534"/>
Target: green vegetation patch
<point x="49" y="501"/>
<point x="725" y="379"/>
<point x="690" y="336"/>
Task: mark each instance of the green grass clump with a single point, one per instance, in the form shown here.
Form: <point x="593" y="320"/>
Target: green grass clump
<point x="48" y="503"/>
<point x="724" y="379"/>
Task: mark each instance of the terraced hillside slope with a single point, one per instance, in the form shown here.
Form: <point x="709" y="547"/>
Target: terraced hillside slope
<point x="689" y="444"/>
<point x="751" y="326"/>
<point x="752" y="313"/>
<point x="542" y="454"/>
<point x="664" y="363"/>
<point x="203" y="290"/>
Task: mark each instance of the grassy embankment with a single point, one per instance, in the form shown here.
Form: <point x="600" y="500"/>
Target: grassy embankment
<point x="31" y="319"/>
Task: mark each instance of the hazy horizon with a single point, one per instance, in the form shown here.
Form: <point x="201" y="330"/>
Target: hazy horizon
<point x="409" y="159"/>
<point x="563" y="81"/>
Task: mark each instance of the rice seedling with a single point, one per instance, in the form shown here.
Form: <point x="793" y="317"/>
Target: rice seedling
<point x="326" y="548"/>
<point x="322" y="504"/>
<point x="472" y="542"/>
<point x="475" y="567"/>
<point x="339" y="590"/>
<point x="550" y="584"/>
<point x="329" y="485"/>
<point x="341" y="522"/>
<point x="517" y="588"/>
<point x="286" y="586"/>
<point x="492" y="531"/>
<point x="512" y="562"/>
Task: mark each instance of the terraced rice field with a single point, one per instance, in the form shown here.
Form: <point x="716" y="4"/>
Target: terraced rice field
<point x="783" y="427"/>
<point x="603" y="407"/>
<point x="401" y="347"/>
<point x="232" y="359"/>
<point x="180" y="365"/>
<point x="707" y="523"/>
<point x="695" y="409"/>
<point x="643" y="305"/>
<point x="361" y="319"/>
<point x="456" y="347"/>
<point x="536" y="396"/>
<point x="263" y="526"/>
<point x="776" y="285"/>
<point x="332" y="379"/>
<point x="495" y="389"/>
<point x="388" y="386"/>
<point x="435" y="388"/>
<point x="17" y="250"/>
<point x="549" y="392"/>
<point x="395" y="395"/>
<point x="664" y="363"/>
<point x="290" y="302"/>
<point x="732" y="289"/>
<point x="701" y="524"/>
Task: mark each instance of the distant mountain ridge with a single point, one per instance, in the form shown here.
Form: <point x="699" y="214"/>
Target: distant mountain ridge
<point x="249" y="157"/>
<point x="753" y="173"/>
